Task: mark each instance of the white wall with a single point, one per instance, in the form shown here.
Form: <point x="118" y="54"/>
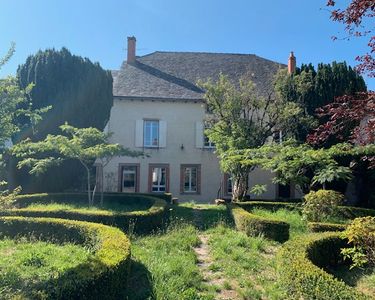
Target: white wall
<point x="181" y="119"/>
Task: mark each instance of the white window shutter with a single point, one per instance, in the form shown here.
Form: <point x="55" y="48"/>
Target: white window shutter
<point x="162" y="134"/>
<point x="139" y="133"/>
<point x="199" y="134"/>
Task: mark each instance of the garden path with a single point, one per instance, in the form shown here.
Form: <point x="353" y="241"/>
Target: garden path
<point x="212" y="277"/>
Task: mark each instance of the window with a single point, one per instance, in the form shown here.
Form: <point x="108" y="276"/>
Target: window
<point x="278" y="137"/>
<point x="129" y="178"/>
<point x="206" y="141"/>
<point x="228" y="184"/>
<point x="151" y="133"/>
<point x="190" y="179"/>
<point x="159" y="178"/>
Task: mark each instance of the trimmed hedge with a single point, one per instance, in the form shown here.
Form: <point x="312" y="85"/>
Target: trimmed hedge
<point x="143" y="221"/>
<point x="351" y="212"/>
<point x="322" y="227"/>
<point x="300" y="262"/>
<point x="268" y="205"/>
<point x="102" y="277"/>
<point x="254" y="225"/>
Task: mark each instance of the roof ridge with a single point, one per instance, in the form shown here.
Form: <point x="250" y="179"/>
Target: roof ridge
<point x="201" y="52"/>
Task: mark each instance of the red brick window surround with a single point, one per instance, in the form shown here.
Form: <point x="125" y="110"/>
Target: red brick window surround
<point x="190" y="179"/>
<point x="158" y="178"/>
<point x="128" y="178"/>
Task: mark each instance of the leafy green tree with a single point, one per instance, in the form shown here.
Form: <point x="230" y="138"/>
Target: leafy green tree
<point x="312" y="89"/>
<point x="80" y="93"/>
<point x="241" y="119"/>
<point x="81" y="144"/>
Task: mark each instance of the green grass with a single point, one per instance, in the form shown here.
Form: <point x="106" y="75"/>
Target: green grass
<point x="112" y="207"/>
<point x="297" y="225"/>
<point x="165" y="266"/>
<point x="362" y="279"/>
<point x="247" y="262"/>
<point x="25" y="265"/>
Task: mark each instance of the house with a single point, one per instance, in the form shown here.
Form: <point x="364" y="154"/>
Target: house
<point x="159" y="108"/>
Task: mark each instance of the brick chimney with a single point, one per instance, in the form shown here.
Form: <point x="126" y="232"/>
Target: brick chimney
<point x="131" y="49"/>
<point x="291" y="63"/>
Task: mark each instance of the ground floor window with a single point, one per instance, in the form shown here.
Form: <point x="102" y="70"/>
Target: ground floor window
<point x="228" y="184"/>
<point x="159" y="178"/>
<point x="129" y="178"/>
<point x="190" y="179"/>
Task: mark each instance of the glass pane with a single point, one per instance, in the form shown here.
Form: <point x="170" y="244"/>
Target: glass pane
<point x="129" y="179"/>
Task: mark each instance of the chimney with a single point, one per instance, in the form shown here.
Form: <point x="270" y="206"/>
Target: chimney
<point x="131" y="49"/>
<point x="291" y="63"/>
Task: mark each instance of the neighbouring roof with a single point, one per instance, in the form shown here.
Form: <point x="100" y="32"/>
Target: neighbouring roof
<point x="174" y="75"/>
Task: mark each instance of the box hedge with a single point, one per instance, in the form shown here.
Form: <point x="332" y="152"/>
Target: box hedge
<point x="254" y="225"/>
<point x="301" y="262"/>
<point x="268" y="205"/>
<point x="104" y="276"/>
<point x="322" y="227"/>
<point x="143" y="221"/>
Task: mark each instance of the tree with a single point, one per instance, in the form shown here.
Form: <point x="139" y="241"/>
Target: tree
<point x="240" y="119"/>
<point x="312" y="89"/>
<point x="81" y="144"/>
<point x="80" y="93"/>
<point x="357" y="13"/>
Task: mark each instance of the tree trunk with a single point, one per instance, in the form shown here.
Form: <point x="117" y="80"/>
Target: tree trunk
<point x="239" y="186"/>
<point x="101" y="185"/>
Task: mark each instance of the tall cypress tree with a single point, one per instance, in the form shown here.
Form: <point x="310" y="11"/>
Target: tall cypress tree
<point x="80" y="93"/>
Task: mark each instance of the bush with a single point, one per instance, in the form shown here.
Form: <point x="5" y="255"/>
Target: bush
<point x="103" y="277"/>
<point x="322" y="227"/>
<point x="300" y="262"/>
<point x="138" y="221"/>
<point x="254" y="225"/>
<point x="361" y="234"/>
<point x="268" y="205"/>
<point x="321" y="205"/>
<point x="350" y="212"/>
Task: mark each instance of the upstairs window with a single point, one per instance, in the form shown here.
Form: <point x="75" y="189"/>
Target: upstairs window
<point x="151" y="133"/>
<point x="206" y="141"/>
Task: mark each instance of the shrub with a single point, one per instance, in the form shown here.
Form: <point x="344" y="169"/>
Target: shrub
<point x="8" y="198"/>
<point x="321" y="204"/>
<point x="143" y="221"/>
<point x="102" y="277"/>
<point x="254" y="225"/>
<point x="300" y="262"/>
<point x="361" y="234"/>
<point x="322" y="227"/>
<point x="268" y="205"/>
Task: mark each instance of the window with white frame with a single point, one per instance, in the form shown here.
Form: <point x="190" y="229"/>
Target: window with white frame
<point x="129" y="178"/>
<point x="206" y="141"/>
<point x="151" y="133"/>
<point x="228" y="184"/>
<point x="190" y="178"/>
<point x="159" y="180"/>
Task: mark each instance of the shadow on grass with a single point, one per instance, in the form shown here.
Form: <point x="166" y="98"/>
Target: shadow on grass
<point x="140" y="284"/>
<point x="202" y="216"/>
<point x="350" y="277"/>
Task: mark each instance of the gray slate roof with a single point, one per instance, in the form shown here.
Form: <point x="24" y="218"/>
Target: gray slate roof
<point x="173" y="75"/>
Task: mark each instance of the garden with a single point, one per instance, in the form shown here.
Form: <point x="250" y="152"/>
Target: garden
<point x="139" y="246"/>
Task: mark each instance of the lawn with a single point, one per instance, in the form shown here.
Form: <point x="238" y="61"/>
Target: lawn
<point x="81" y="206"/>
<point x="27" y="266"/>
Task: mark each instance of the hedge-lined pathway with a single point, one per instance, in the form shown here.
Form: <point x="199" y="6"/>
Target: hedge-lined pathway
<point x="211" y="277"/>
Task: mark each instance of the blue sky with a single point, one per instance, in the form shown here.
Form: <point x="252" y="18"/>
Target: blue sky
<point x="98" y="29"/>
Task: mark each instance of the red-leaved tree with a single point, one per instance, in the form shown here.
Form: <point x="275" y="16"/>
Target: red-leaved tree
<point x="355" y="17"/>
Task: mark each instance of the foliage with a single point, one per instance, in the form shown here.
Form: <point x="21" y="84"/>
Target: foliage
<point x="300" y="268"/>
<point x="258" y="189"/>
<point x="82" y="144"/>
<point x="80" y="93"/>
<point x="254" y="225"/>
<point x="311" y="89"/>
<point x="320" y="205"/>
<point x="102" y="276"/>
<point x="323" y="227"/>
<point x="242" y="119"/>
<point x="361" y="235"/>
<point x="354" y="17"/>
<point x="140" y="221"/>
<point x="8" y="197"/>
